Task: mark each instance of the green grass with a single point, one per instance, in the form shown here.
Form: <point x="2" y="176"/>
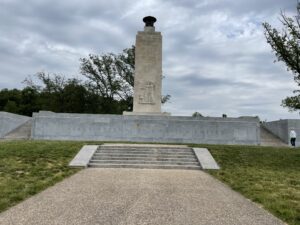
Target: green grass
<point x="266" y="175"/>
<point x="28" y="167"/>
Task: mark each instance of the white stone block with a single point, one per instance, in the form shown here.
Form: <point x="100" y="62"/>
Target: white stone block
<point x="84" y="156"/>
<point x="206" y="159"/>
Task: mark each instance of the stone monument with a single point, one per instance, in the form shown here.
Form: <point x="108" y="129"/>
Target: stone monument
<point x="146" y="123"/>
<point x="148" y="71"/>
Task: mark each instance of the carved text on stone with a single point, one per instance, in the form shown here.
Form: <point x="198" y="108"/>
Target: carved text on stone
<point x="147" y="96"/>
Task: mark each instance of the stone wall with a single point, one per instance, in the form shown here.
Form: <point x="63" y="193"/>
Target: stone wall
<point x="165" y="129"/>
<point x="10" y="121"/>
<point x="281" y="128"/>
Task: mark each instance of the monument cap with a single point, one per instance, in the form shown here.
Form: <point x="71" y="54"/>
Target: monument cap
<point x="149" y="21"/>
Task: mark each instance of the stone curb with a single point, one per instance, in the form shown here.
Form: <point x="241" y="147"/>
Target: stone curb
<point x="83" y="156"/>
<point x="205" y="159"/>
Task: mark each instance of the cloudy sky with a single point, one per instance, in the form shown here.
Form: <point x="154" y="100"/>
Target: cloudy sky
<point x="215" y="56"/>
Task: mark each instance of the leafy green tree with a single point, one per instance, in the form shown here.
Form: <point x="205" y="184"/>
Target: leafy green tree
<point x="9" y="95"/>
<point x="286" y="45"/>
<point x="108" y="88"/>
<point x="125" y="64"/>
<point x="11" y="106"/>
<point x="57" y="94"/>
<point x="74" y="97"/>
<point x="111" y="77"/>
<point x="50" y="90"/>
<point x="29" y="101"/>
<point x="197" y="115"/>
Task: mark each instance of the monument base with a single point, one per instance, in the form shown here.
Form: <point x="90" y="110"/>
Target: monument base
<point x="125" y="113"/>
<point x="145" y="128"/>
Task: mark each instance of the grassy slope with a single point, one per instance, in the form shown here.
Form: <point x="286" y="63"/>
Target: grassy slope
<point x="27" y="167"/>
<point x="266" y="175"/>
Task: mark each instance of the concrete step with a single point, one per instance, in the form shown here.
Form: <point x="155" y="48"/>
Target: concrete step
<point x="143" y="162"/>
<point x="143" y="152"/>
<point x="144" y="155"/>
<point x="145" y="166"/>
<point x="187" y="159"/>
<point x="22" y="132"/>
<point x="146" y="148"/>
<point x="146" y="151"/>
<point x="142" y="147"/>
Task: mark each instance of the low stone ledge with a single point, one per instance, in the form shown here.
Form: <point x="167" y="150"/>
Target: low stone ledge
<point x="125" y="113"/>
<point x="143" y="128"/>
<point x="206" y="160"/>
<point x="84" y="156"/>
<point x="143" y="145"/>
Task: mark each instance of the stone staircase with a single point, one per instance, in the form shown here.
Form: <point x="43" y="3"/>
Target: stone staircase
<point x="147" y="157"/>
<point x="269" y="139"/>
<point x="22" y="132"/>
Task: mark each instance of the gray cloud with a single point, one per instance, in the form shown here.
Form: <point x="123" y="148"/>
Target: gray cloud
<point x="215" y="57"/>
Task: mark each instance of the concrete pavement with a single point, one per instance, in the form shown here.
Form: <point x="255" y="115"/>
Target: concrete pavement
<point x="138" y="196"/>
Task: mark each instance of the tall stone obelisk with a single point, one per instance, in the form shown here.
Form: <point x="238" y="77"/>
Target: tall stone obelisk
<point x="148" y="70"/>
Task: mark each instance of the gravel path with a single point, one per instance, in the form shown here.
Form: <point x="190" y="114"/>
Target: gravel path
<point x="135" y="197"/>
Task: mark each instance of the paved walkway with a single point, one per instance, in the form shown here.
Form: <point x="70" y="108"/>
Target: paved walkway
<point x="133" y="196"/>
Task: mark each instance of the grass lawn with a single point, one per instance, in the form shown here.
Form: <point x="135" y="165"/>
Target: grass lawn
<point x="266" y="175"/>
<point x="27" y="167"/>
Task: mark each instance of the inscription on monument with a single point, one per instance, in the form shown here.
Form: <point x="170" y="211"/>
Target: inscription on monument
<point x="147" y="96"/>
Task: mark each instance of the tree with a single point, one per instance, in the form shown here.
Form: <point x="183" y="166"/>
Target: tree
<point x="56" y="93"/>
<point x="50" y="91"/>
<point x="6" y="95"/>
<point x="108" y="88"/>
<point x="286" y="45"/>
<point x="125" y="64"/>
<point x="29" y="101"/>
<point x="11" y="106"/>
<point x="197" y="115"/>
<point x="109" y="74"/>
<point x="112" y="76"/>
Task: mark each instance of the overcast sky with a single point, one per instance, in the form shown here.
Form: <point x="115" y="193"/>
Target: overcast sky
<point x="215" y="56"/>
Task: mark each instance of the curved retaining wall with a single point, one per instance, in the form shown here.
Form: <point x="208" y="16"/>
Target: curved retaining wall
<point x="10" y="121"/>
<point x="164" y="129"/>
<point x="282" y="128"/>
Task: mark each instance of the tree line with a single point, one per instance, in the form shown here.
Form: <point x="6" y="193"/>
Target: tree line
<point x="106" y="89"/>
